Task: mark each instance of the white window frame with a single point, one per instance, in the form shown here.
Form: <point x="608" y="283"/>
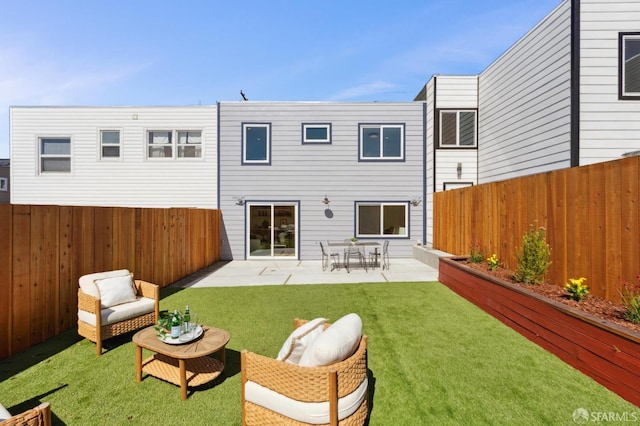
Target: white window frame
<point x="174" y="144"/>
<point x="622" y="92"/>
<point x="197" y="145"/>
<point x="307" y="140"/>
<point x="4" y="184"/>
<point x="381" y="156"/>
<point x="267" y="159"/>
<point x="382" y="205"/>
<point x="457" y="144"/>
<point x="108" y="145"/>
<point x="42" y="156"/>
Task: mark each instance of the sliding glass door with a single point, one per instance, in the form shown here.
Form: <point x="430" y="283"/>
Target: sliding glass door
<point x="272" y="230"/>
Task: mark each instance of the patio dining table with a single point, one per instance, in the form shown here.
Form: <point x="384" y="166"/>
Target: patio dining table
<point x="362" y="246"/>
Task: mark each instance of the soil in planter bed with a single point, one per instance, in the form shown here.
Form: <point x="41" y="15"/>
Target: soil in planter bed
<point x="602" y="308"/>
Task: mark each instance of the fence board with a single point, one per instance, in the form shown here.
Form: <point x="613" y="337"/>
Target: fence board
<point x="591" y="214"/>
<point x="46" y="249"/>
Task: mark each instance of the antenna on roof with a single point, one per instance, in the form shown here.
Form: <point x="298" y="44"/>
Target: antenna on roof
<point x="243" y="95"/>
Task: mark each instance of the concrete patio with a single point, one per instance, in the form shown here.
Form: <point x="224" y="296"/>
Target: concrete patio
<point x="295" y="272"/>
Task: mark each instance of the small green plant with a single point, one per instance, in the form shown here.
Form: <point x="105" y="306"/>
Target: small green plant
<point x="354" y="240"/>
<point x="630" y="296"/>
<point x="577" y="289"/>
<point x="533" y="257"/>
<point x="493" y="262"/>
<point x="475" y="254"/>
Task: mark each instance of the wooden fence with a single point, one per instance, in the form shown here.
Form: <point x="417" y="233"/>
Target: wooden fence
<point x="45" y="249"/>
<point x="591" y="215"/>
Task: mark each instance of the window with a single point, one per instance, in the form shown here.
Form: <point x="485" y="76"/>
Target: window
<point x="55" y="155"/>
<point x="381" y="142"/>
<point x="170" y="143"/>
<point x="4" y="184"/>
<point x="110" y="143"/>
<point x="382" y="219"/>
<point x="189" y="144"/>
<point x="457" y="129"/>
<point x="256" y="143"/>
<point x="629" y="64"/>
<point x="316" y="133"/>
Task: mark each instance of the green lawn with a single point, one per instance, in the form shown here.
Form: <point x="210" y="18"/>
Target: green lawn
<point x="435" y="358"/>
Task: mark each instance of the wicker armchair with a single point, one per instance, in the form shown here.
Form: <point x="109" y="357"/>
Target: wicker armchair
<point x="306" y="385"/>
<point x="97" y="322"/>
<point x="38" y="416"/>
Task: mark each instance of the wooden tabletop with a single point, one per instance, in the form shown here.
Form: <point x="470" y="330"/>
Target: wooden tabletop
<point x="212" y="340"/>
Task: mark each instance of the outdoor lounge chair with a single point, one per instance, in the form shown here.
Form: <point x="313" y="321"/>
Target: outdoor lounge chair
<point x="278" y="392"/>
<point x="112" y="303"/>
<point x="38" y="416"/>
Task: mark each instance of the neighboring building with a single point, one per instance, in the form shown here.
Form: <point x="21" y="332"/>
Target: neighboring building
<point x="288" y="175"/>
<point x="115" y="156"/>
<point x="5" y="187"/>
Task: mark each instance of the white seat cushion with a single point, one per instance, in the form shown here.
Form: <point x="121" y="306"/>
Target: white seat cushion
<point x="118" y="313"/>
<point x="306" y="412"/>
<point x="4" y="414"/>
<point x="298" y="341"/>
<point x="336" y="343"/>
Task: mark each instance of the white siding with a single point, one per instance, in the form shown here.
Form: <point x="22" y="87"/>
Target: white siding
<point x="447" y="161"/>
<point x="609" y="127"/>
<point x="306" y="173"/>
<point x="132" y="180"/>
<point x="457" y="91"/>
<point x="430" y="155"/>
<point x="524" y="118"/>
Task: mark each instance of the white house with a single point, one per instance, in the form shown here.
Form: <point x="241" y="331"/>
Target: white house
<point x="114" y="156"/>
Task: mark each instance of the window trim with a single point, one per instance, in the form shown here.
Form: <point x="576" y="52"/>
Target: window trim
<point x="178" y="144"/>
<point x="326" y="141"/>
<point x="448" y="186"/>
<point x="438" y="130"/>
<point x="267" y="160"/>
<point x="382" y="158"/>
<point x="4" y="184"/>
<point x="175" y="133"/>
<point x="102" y="145"/>
<point x="622" y="36"/>
<point x="382" y="204"/>
<point x="41" y="155"/>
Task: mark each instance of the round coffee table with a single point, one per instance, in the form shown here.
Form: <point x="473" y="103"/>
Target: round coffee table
<point x="185" y="364"/>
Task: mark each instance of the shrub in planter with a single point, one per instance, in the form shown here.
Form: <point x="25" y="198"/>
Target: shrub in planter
<point x="577" y="289"/>
<point x="630" y="296"/>
<point x="533" y="257"/>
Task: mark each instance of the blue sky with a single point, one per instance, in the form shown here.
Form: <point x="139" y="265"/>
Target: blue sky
<point x="143" y="52"/>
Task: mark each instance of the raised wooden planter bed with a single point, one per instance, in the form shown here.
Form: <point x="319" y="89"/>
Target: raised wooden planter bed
<point x="605" y="351"/>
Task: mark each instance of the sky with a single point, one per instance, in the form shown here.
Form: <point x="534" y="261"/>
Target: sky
<point x="190" y="52"/>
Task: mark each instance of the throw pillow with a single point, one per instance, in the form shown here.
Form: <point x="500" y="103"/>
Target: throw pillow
<point x="298" y="341"/>
<point x="116" y="290"/>
<point x="336" y="343"/>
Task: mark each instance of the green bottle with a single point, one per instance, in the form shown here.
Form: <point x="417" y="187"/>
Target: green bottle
<point x="186" y="318"/>
<point x="175" y="325"/>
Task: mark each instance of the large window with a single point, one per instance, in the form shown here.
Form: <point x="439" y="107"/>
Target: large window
<point x="256" y="143"/>
<point x="110" y="143"/>
<point x="457" y="129"/>
<point x="382" y="142"/>
<point x="382" y="219"/>
<point x="629" y="63"/>
<point x="55" y="155"/>
<point x="316" y="133"/>
<point x="174" y="143"/>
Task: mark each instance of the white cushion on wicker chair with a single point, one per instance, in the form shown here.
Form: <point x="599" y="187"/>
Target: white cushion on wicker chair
<point x="4" y="414"/>
<point x="88" y="285"/>
<point x="336" y="343"/>
<point x="306" y="412"/>
<point x="299" y="339"/>
<point x="114" y="314"/>
<point x="116" y="290"/>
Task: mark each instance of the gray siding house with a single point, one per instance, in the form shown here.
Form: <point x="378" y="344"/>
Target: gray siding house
<point x="293" y="174"/>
